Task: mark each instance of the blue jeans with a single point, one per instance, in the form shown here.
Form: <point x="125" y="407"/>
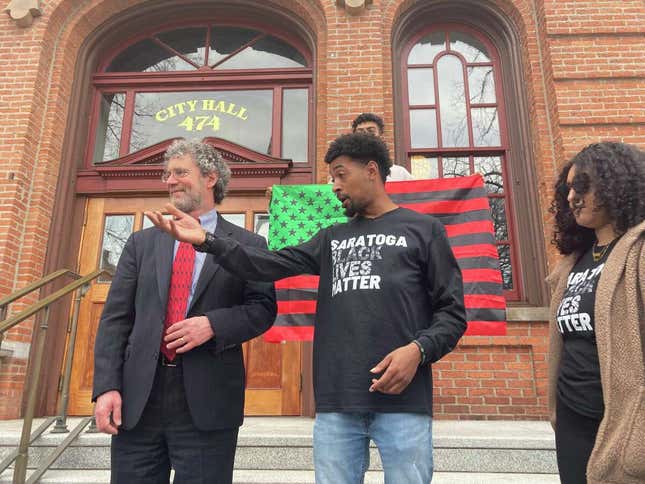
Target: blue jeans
<point x="341" y="447"/>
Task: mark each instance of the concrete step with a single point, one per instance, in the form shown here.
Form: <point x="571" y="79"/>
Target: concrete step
<point x="301" y="477"/>
<point x="284" y="444"/>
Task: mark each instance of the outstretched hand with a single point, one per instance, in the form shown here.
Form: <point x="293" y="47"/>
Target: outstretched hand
<point x="181" y="226"/>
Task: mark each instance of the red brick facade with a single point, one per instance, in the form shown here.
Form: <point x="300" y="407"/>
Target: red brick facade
<point x="583" y="80"/>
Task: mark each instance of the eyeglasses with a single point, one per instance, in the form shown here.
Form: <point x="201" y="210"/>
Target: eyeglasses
<point x="177" y="173"/>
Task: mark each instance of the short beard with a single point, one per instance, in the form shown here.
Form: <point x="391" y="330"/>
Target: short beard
<point x="354" y="209"/>
<point x="188" y="204"/>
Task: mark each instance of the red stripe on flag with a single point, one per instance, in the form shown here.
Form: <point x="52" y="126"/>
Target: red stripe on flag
<point x="435" y="184"/>
<point x="278" y="334"/>
<point x="296" y="307"/>
<point x="449" y="206"/>
<point x="298" y="282"/>
<point x="486" y="328"/>
<point x="469" y="228"/>
<point x="484" y="301"/>
<point x="481" y="275"/>
<point x="476" y="250"/>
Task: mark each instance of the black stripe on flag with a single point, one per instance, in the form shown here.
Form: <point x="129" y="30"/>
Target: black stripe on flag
<point x="296" y="294"/>
<point x="488" y="288"/>
<point x="472" y="239"/>
<point x="438" y="195"/>
<point x="485" y="314"/>
<point x="478" y="263"/>
<point x="294" y="320"/>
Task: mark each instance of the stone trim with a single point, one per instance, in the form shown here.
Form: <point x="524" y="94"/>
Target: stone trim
<point x="23" y="12"/>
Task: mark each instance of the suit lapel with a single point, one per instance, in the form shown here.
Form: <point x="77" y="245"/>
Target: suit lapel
<point x="164" y="247"/>
<point x="210" y="267"/>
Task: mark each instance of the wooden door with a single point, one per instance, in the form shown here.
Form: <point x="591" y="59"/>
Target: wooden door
<point x="273" y="370"/>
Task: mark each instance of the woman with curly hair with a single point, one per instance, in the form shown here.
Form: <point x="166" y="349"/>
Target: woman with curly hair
<point x="597" y="331"/>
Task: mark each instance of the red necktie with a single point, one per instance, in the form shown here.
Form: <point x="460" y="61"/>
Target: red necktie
<point x="180" y="282"/>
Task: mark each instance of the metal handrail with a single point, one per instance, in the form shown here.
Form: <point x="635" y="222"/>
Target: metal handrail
<point x="7" y="324"/>
<point x="9" y="458"/>
<point x="21" y="456"/>
<point x="58" y="451"/>
<point x="5" y="301"/>
<point x="37" y="285"/>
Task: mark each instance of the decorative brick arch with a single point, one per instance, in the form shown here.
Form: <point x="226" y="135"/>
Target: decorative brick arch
<point x="78" y="34"/>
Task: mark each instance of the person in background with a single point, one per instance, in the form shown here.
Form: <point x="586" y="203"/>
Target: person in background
<point x="370" y="123"/>
<point x="597" y="332"/>
<point x="168" y="367"/>
<point x="390" y="302"/>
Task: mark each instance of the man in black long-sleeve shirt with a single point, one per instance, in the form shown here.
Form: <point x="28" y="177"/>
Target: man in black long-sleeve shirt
<point x="390" y="301"/>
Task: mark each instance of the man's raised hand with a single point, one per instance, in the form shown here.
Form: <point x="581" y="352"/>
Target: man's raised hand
<point x="181" y="226"/>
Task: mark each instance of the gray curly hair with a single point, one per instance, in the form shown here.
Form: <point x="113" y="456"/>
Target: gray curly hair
<point x="207" y="158"/>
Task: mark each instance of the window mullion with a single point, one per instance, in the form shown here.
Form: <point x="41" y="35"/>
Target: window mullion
<point x="238" y="50"/>
<point x="207" y="47"/>
<point x="126" y="130"/>
<point x="437" y="102"/>
<point x="176" y="52"/>
<point x="276" y="123"/>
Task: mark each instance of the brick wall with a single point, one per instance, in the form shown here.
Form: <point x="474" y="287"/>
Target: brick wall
<point x="582" y="63"/>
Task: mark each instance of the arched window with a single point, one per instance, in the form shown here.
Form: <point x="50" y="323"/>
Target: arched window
<point x="455" y="121"/>
<point x="243" y="84"/>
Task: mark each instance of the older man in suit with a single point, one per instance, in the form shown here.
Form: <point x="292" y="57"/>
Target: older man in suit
<point x="168" y="372"/>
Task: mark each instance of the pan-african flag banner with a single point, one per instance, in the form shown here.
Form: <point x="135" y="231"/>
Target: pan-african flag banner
<point x="298" y="212"/>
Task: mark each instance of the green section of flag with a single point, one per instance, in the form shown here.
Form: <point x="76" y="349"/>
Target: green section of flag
<point x="298" y="212"/>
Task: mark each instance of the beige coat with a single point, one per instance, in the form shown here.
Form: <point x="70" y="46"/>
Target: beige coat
<point x="619" y="453"/>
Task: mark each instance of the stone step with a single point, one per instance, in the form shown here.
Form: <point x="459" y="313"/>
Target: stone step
<point x="285" y="444"/>
<point x="300" y="477"/>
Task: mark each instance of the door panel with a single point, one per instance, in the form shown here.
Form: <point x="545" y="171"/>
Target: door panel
<point x="273" y="370"/>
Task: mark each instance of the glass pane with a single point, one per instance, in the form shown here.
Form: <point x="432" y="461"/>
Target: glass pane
<point x="481" y="85"/>
<point x="498" y="212"/>
<point x="261" y="224"/>
<point x="490" y="167"/>
<point x="423" y="167"/>
<point x="504" y="252"/>
<point x="468" y="46"/>
<point x="191" y="42"/>
<point x="115" y="234"/>
<point x="427" y="48"/>
<point x="243" y="117"/>
<point x="268" y="52"/>
<point x="225" y="40"/>
<point x="420" y="86"/>
<point x="148" y="56"/>
<point x="454" y="167"/>
<point x="235" y="218"/>
<point x="485" y="127"/>
<point x="423" y="128"/>
<point x="147" y="223"/>
<point x="295" y="124"/>
<point x="452" y="102"/>
<point x="108" y="131"/>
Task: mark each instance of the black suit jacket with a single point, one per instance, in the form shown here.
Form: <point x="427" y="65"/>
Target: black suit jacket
<point x="129" y="335"/>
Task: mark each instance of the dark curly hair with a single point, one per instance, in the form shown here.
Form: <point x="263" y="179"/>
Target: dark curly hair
<point x="363" y="148"/>
<point x="367" y="117"/>
<point x="616" y="173"/>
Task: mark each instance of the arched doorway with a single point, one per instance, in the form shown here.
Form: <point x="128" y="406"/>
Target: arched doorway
<point x="241" y="87"/>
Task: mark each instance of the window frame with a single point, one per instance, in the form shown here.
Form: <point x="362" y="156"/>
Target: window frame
<point x="202" y="79"/>
<point x="472" y="151"/>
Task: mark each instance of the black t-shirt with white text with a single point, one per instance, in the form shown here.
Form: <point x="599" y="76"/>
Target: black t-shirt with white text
<point x="579" y="379"/>
<point x="383" y="283"/>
